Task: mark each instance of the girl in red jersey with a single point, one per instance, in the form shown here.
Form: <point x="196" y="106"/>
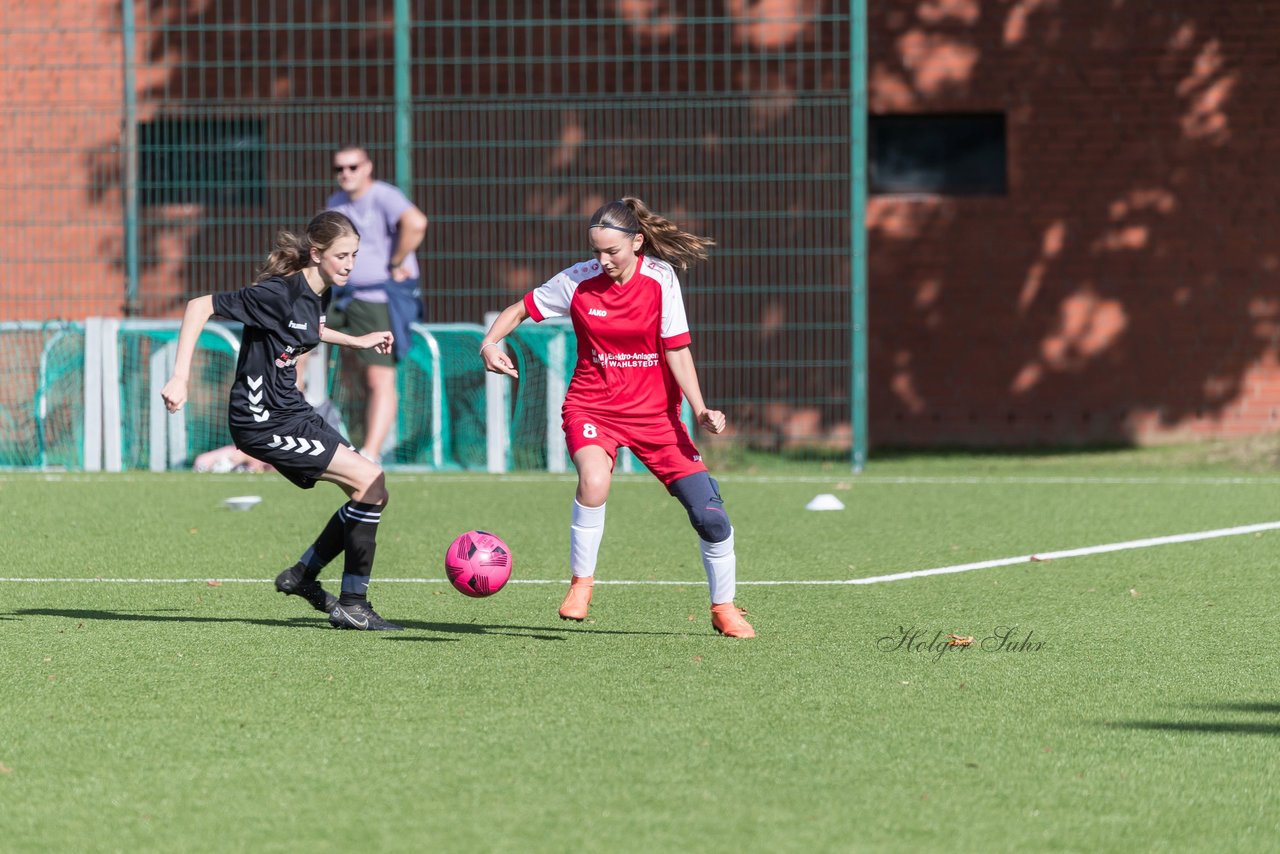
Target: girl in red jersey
<point x="633" y="365"/>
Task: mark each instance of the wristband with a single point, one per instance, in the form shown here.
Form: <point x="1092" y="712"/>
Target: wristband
<point x="490" y="344"/>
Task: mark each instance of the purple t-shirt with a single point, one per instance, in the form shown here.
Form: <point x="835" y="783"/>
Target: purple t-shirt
<point x="376" y="215"/>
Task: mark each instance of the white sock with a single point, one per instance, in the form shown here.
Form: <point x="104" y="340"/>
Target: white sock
<point x="584" y="539"/>
<point x="722" y="569"/>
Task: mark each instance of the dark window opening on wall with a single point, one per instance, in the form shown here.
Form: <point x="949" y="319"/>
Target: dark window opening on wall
<point x="952" y="154"/>
<point x="216" y="162"/>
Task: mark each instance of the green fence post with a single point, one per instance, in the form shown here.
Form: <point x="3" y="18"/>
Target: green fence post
<point x="404" y="97"/>
<point x="129" y="184"/>
<point x="858" y="224"/>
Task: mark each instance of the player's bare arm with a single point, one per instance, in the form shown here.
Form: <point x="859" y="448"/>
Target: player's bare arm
<point x="680" y="360"/>
<point x="380" y="342"/>
<point x="198" y="312"/>
<point x="495" y="359"/>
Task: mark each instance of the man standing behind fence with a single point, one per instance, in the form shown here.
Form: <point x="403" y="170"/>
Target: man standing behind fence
<point x="383" y="290"/>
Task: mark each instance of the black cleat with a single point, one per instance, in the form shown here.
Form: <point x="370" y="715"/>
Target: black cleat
<point x="291" y="583"/>
<point x="361" y="617"/>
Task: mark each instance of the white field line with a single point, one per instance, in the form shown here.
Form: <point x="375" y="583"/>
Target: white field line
<point x="1127" y="545"/>
<point x="1066" y="553"/>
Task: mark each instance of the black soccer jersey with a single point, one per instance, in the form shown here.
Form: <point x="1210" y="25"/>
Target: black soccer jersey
<point x="282" y="320"/>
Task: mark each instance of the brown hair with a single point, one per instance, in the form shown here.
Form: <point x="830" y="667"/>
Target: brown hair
<point x="292" y="253"/>
<point x="663" y="238"/>
<point x="352" y="146"/>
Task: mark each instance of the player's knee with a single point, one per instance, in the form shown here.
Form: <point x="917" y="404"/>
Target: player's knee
<point x="593" y="488"/>
<point x="711" y="522"/>
<point x="374" y="490"/>
<point x="700" y="495"/>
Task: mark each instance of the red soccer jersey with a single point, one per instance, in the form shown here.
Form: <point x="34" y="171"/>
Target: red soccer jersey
<point x="622" y="329"/>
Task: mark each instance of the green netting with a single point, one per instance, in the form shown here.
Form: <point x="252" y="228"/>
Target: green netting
<point x="441" y="384"/>
<point x="61" y="401"/>
<point x="443" y="412"/>
<point x="42" y="398"/>
<point x="443" y="372"/>
<point x="442" y="421"/>
<point x="544" y="355"/>
<point x="142" y="376"/>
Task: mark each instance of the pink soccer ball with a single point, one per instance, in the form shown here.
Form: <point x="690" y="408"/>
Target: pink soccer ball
<point x="478" y="564"/>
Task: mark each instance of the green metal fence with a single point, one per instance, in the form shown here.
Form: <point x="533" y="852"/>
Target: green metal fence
<point x="183" y="134"/>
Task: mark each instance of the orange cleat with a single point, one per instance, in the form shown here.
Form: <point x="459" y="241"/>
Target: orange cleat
<point x="727" y="620"/>
<point x="578" y="599"/>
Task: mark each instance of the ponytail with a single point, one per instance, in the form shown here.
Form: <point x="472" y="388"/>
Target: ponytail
<point x="292" y="253"/>
<point x="288" y="256"/>
<point x="662" y="238"/>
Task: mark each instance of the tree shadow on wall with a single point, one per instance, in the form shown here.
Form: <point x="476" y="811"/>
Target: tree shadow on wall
<point x="1127" y="282"/>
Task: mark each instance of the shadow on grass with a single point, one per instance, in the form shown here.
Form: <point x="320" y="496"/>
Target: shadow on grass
<point x="168" y="615"/>
<point x="1229" y="727"/>
<point x="1233" y="727"/>
<point x="1253" y="708"/>
<point x="161" y="617"/>
<point x="536" y="632"/>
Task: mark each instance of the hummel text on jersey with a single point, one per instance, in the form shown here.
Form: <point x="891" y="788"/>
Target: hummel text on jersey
<point x="293" y="324"/>
<point x="597" y="312"/>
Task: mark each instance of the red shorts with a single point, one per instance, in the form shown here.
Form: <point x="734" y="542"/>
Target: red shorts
<point x="662" y="444"/>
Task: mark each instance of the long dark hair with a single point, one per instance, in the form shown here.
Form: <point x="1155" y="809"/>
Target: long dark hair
<point x="662" y="237"/>
<point x="292" y="253"/>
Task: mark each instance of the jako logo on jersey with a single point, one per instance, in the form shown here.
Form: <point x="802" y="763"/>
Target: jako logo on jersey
<point x="296" y="325"/>
<point x="597" y="312"/>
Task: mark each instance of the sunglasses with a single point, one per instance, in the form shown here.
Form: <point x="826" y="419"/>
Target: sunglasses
<point x="339" y="168"/>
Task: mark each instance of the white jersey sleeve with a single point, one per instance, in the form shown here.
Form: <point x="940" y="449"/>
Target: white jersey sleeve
<point x="674" y="322"/>
<point x="552" y="298"/>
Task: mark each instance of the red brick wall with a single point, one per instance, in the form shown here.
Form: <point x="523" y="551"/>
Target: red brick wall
<point x="1126" y="287"/>
<point x="60" y="135"/>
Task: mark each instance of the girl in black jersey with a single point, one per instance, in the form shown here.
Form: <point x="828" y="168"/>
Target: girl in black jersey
<point x="283" y="317"/>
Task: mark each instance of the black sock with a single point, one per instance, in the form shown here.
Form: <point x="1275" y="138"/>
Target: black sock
<point x="360" y="534"/>
<point x="326" y="547"/>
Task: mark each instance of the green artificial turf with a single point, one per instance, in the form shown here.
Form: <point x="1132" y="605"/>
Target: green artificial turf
<point x="1133" y="707"/>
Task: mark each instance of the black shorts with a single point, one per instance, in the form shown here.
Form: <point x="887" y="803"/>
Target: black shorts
<point x="300" y="449"/>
